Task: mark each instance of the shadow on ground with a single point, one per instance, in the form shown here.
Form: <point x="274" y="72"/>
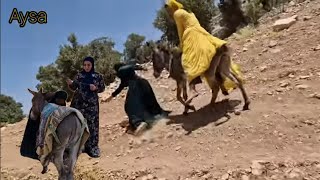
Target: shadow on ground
<point x="206" y="115"/>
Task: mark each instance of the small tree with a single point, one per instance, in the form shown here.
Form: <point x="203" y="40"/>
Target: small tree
<point x="69" y="63"/>
<point x="10" y="110"/>
<point x="132" y="44"/>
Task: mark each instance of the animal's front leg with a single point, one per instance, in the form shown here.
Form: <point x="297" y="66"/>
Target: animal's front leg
<point x="44" y="169"/>
<point x="214" y="91"/>
<point x="45" y="163"/>
<point x="185" y="91"/>
<point x="179" y="98"/>
<point x="194" y="92"/>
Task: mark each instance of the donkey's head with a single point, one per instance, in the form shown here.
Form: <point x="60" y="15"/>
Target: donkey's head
<point x="39" y="100"/>
<point x="160" y="58"/>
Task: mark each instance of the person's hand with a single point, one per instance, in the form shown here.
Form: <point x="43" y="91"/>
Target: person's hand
<point x="93" y="87"/>
<point x="69" y="81"/>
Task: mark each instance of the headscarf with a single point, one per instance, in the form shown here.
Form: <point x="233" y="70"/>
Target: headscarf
<point x="88" y="75"/>
<point x="117" y="66"/>
<point x="174" y="5"/>
<point x="59" y="95"/>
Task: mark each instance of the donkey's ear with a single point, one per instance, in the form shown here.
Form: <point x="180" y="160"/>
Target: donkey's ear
<point x="32" y="92"/>
<point x="41" y="90"/>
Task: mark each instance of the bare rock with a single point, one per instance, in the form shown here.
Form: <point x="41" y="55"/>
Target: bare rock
<point x="263" y="68"/>
<point x="315" y="95"/>
<point x="317" y="48"/>
<point x="302" y="86"/>
<point x="178" y="148"/>
<point x="237" y="112"/>
<point x="257" y="167"/>
<point x="282" y="24"/>
<point x="272" y="43"/>
<point x="169" y="135"/>
<point x="292" y="3"/>
<point x="304" y="77"/>
<point x="294" y="173"/>
<point x="284" y="84"/>
<point x="306" y="18"/>
<point x="274" y="51"/>
<point x="245" y="177"/>
<point x="225" y="176"/>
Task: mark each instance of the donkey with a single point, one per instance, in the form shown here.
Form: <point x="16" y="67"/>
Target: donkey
<point x="220" y="69"/>
<point x="65" y="153"/>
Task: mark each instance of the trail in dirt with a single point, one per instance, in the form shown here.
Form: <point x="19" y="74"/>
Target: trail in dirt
<point x="279" y="138"/>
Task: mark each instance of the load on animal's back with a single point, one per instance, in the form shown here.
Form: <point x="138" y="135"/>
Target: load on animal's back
<point x="63" y="131"/>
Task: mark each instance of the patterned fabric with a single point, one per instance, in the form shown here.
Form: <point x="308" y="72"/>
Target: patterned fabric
<point x="53" y="120"/>
<point x="46" y="112"/>
<point x="87" y="102"/>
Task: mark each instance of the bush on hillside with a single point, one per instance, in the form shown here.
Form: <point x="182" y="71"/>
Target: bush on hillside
<point x="10" y="110"/>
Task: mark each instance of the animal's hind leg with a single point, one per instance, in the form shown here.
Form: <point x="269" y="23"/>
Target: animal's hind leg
<point x="232" y="76"/>
<point x="46" y="164"/>
<point x="220" y="81"/>
<point x="214" y="91"/>
<point x="243" y="91"/>
<point x="58" y="162"/>
<point x="185" y="91"/>
<point x="194" y="92"/>
<point x="72" y="160"/>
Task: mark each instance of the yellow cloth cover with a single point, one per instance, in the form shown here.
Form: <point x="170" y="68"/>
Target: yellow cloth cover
<point x="198" y="46"/>
<point x="174" y="5"/>
<point x="55" y="118"/>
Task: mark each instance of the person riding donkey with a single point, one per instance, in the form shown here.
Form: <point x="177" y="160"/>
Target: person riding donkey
<point x="204" y="55"/>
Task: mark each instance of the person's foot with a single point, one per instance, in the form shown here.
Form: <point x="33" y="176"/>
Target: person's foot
<point x="141" y="128"/>
<point x="93" y="153"/>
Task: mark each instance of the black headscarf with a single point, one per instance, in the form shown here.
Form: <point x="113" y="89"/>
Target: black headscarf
<point x="117" y="66"/>
<point x="88" y="75"/>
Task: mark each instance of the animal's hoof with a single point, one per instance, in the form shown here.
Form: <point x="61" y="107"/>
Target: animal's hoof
<point x="192" y="108"/>
<point x="185" y="113"/>
<point x="225" y="93"/>
<point x="44" y="170"/>
<point x="246" y="107"/>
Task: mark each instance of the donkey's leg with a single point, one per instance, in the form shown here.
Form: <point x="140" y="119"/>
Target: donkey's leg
<point x="178" y="96"/>
<point x="180" y="87"/>
<point x="72" y="160"/>
<point x="58" y="162"/>
<point x="46" y="164"/>
<point x="185" y="90"/>
<point x="192" y="87"/>
<point x="220" y="81"/>
<point x="243" y="91"/>
<point x="210" y="75"/>
<point x="214" y="90"/>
